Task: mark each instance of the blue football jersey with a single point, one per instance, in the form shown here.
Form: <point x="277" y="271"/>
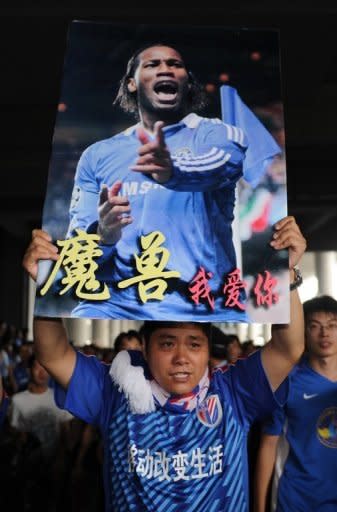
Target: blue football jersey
<point x="193" y="210"/>
<point x="173" y="460"/>
<point x="308" y="423"/>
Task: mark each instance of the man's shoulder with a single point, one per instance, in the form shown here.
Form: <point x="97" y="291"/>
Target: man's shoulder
<point x="21" y="395"/>
<point x="216" y="125"/>
<point x="108" y="143"/>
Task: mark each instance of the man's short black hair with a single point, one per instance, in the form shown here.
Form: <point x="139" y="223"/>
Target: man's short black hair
<point x="232" y="338"/>
<point x="322" y="304"/>
<point x="150" y="326"/>
<point x="127" y="100"/>
<point x="218" y="343"/>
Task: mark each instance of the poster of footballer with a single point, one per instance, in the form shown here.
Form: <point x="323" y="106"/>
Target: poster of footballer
<point x="166" y="176"/>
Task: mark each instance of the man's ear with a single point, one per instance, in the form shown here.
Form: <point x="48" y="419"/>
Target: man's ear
<point x="132" y="87"/>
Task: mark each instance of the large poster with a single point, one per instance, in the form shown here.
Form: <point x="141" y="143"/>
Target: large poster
<point x="166" y="176"/>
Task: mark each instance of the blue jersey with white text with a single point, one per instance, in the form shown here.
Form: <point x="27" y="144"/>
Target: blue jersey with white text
<point x="308" y="422"/>
<point x="176" y="461"/>
<point x="193" y="210"/>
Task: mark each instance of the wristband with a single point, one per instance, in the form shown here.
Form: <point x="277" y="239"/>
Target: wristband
<point x="298" y="279"/>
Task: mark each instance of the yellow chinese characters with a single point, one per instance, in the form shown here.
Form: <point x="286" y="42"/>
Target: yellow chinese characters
<point x="151" y="264"/>
<point x="77" y="261"/>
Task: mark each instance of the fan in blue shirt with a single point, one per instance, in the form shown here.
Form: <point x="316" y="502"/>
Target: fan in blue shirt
<point x="174" y="435"/>
<point x="301" y="438"/>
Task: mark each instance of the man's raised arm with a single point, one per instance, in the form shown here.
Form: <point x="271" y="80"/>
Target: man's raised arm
<point x="51" y="344"/>
<point x="287" y="343"/>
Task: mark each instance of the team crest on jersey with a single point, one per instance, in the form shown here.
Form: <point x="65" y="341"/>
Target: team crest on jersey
<point x="327" y="427"/>
<point x="183" y="153"/>
<point x="210" y="411"/>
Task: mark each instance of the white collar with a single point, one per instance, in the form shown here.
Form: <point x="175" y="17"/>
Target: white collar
<point x="191" y="121"/>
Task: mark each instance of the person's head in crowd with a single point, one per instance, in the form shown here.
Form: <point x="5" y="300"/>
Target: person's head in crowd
<point x="320" y="316"/>
<point x="177" y="353"/>
<point x="234" y="348"/>
<point x="218" y="347"/>
<point x="108" y="355"/>
<point x="248" y="347"/>
<point x="89" y="350"/>
<point x="129" y="340"/>
<point x="25" y="352"/>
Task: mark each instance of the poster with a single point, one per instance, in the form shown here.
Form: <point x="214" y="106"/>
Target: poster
<point x="162" y="202"/>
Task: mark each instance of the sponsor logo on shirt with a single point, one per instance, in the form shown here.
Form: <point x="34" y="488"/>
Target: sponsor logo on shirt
<point x="133" y="188"/>
<point x="307" y="397"/>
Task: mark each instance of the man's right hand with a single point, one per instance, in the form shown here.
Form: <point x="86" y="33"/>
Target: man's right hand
<point x="113" y="211"/>
<point x="40" y="248"/>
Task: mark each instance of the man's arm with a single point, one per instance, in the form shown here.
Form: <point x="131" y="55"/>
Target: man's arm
<point x="219" y="163"/>
<point x="287" y="343"/>
<point x="51" y="345"/>
<point x="53" y="350"/>
<point x="264" y="469"/>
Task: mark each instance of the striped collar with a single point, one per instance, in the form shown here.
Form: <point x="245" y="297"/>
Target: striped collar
<point x="191" y="121"/>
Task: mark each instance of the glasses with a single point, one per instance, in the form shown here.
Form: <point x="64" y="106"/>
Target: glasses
<point x="317" y="326"/>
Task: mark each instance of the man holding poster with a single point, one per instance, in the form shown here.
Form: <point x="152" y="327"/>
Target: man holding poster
<point x="175" y="436"/>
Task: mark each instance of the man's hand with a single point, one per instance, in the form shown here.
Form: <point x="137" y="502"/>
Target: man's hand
<point x="154" y="156"/>
<point x="288" y="236"/>
<point x="113" y="211"/>
<point x="40" y="248"/>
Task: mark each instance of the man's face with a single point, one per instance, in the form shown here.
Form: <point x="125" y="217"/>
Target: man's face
<point x="234" y="351"/>
<point x="178" y="357"/>
<point x="161" y="80"/>
<point x="321" y="334"/>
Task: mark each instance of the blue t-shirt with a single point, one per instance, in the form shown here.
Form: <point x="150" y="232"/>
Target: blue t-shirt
<point x="309" y="423"/>
<point x="193" y="210"/>
<point x="176" y="461"/>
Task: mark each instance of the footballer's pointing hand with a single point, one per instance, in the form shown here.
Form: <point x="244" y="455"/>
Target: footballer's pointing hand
<point x="153" y="155"/>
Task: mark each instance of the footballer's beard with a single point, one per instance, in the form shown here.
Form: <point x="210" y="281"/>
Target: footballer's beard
<point x="160" y="111"/>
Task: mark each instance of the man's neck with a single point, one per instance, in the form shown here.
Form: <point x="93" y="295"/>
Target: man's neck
<point x="326" y="366"/>
<point x="36" y="389"/>
<point x="148" y="121"/>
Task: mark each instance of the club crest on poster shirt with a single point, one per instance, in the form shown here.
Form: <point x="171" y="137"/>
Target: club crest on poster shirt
<point x="209" y="412"/>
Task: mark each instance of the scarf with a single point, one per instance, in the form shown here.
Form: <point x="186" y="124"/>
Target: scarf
<point x="130" y="373"/>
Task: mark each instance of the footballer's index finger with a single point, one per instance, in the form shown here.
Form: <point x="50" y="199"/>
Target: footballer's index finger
<point x="115" y="189"/>
<point x="159" y="134"/>
<point x="142" y="136"/>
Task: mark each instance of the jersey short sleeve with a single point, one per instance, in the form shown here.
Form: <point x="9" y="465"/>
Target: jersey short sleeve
<point x="250" y="391"/>
<point x="273" y="426"/>
<point x="91" y="394"/>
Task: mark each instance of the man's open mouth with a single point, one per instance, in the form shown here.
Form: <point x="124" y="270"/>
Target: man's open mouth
<point x="166" y="90"/>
